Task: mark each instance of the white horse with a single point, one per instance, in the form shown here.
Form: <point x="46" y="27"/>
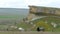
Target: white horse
<point x="20" y="29"/>
<point x="54" y="24"/>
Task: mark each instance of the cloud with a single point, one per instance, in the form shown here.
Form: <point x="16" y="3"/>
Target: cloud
<point x="55" y="3"/>
<point x="39" y="2"/>
<point x="49" y="3"/>
<point x="12" y="4"/>
<point x="25" y="3"/>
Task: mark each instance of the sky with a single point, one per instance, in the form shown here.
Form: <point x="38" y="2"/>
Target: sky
<point x="25" y="3"/>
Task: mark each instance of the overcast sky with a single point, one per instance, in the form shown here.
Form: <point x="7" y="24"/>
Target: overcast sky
<point x="25" y="3"/>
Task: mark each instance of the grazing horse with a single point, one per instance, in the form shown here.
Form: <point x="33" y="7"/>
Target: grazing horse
<point x="40" y="29"/>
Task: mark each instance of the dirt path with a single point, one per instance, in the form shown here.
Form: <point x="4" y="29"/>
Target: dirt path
<point x="18" y="32"/>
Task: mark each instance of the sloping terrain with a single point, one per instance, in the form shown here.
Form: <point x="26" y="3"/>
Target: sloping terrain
<point x="43" y="22"/>
<point x="48" y="21"/>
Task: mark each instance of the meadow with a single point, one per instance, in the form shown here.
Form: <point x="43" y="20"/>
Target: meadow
<point x="44" y="22"/>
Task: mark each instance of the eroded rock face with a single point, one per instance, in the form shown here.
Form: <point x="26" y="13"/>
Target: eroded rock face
<point x="35" y="11"/>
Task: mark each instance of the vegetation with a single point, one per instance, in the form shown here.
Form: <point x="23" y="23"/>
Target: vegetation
<point x="39" y="23"/>
<point x="8" y="20"/>
<point x="46" y="22"/>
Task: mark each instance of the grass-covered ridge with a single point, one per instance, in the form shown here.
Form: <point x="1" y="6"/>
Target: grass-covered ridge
<point x="48" y="20"/>
<point x="44" y="22"/>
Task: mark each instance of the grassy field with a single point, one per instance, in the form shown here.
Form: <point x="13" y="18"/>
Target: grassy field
<point x="8" y="20"/>
<point x="42" y="22"/>
<point x="11" y="20"/>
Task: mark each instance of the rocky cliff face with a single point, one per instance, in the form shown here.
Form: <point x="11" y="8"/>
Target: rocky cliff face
<point x="36" y="11"/>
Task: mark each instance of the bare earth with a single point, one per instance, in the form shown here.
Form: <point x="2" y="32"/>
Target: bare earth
<point x="28" y="32"/>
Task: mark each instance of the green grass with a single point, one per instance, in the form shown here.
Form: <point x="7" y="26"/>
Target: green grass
<point x="24" y="25"/>
<point x="7" y="16"/>
<point x="12" y="16"/>
<point x="29" y="26"/>
<point x="6" y="20"/>
<point x="49" y="20"/>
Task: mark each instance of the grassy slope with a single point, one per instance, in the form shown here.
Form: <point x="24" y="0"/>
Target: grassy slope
<point x="38" y="23"/>
<point x="49" y="20"/>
